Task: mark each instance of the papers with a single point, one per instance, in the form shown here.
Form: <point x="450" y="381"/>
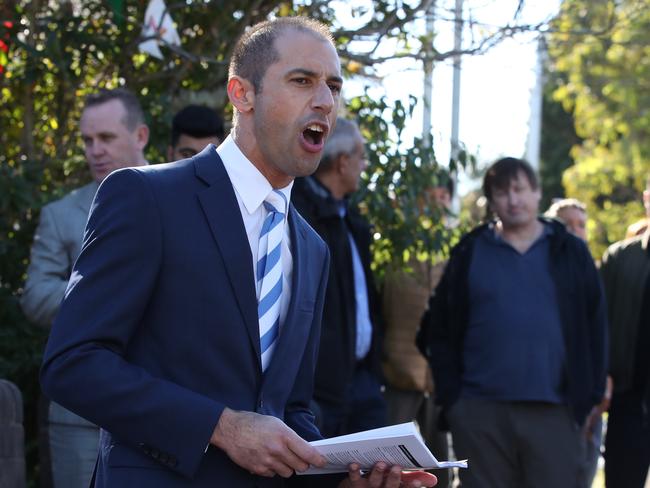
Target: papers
<point x="399" y="444"/>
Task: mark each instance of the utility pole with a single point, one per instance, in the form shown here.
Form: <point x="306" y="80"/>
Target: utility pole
<point x="533" y="144"/>
<point x="428" y="73"/>
<point x="455" y="97"/>
<point x="455" y="106"/>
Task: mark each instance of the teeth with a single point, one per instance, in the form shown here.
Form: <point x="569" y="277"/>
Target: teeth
<point x="315" y="128"/>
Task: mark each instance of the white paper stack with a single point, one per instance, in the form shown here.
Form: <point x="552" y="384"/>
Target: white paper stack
<point x="399" y="444"/>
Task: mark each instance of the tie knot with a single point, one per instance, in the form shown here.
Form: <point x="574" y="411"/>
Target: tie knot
<point x="276" y="202"/>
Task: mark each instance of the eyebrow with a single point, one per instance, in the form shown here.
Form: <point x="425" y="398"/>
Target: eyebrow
<point x="103" y="133"/>
<point x="313" y="74"/>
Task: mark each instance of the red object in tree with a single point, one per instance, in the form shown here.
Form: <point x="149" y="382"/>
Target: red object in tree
<point x="4" y="42"/>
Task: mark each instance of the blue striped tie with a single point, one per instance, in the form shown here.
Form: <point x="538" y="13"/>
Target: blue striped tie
<point x="269" y="274"/>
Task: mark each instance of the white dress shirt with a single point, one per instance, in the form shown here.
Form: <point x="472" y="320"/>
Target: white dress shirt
<point x="251" y="188"/>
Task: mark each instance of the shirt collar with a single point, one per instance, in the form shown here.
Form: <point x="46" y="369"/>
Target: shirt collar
<point x="249" y="183"/>
<point x="493" y="236"/>
<point x="331" y="204"/>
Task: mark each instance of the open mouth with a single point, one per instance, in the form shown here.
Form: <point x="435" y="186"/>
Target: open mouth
<point x="314" y="134"/>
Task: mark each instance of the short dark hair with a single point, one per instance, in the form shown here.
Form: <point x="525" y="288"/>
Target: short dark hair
<point x="503" y="171"/>
<point x="131" y="104"/>
<point x="255" y="50"/>
<point x="196" y="121"/>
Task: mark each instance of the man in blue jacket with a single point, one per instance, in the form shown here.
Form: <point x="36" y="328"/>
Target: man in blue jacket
<point x="190" y="326"/>
<point x="516" y="338"/>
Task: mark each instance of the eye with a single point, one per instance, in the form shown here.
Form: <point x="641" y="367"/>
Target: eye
<point x="187" y="153"/>
<point x="300" y="81"/>
<point x="335" y="88"/>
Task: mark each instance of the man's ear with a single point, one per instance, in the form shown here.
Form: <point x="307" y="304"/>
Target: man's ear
<point x="142" y="135"/>
<point x="170" y="153"/>
<point x="241" y="94"/>
<point x="342" y="162"/>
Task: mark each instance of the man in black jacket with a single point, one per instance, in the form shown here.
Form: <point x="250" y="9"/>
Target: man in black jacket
<point x="348" y="378"/>
<point x="626" y="277"/>
<point x="516" y="338"/>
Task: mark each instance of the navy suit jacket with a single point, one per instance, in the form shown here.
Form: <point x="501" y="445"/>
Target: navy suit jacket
<point x="158" y="331"/>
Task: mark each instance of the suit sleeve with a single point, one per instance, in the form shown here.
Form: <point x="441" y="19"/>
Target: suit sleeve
<point x="86" y="367"/>
<point x="48" y="272"/>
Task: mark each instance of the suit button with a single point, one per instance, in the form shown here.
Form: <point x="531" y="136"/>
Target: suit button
<point x="155" y="453"/>
<point x="173" y="462"/>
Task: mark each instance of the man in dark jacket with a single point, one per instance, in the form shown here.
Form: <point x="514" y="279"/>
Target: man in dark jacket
<point x="516" y="338"/>
<point x="347" y="385"/>
<point x="626" y="276"/>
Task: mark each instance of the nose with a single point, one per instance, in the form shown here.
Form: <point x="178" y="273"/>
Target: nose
<point x="364" y="163"/>
<point x="323" y="99"/>
<point x="95" y="148"/>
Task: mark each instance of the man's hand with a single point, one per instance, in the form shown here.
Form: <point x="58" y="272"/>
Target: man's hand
<point x="609" y="387"/>
<point x="383" y="477"/>
<point x="263" y="444"/>
<point x="598" y="410"/>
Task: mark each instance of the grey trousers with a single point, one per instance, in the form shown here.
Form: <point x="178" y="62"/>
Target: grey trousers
<point x="517" y="444"/>
<point x="74" y="443"/>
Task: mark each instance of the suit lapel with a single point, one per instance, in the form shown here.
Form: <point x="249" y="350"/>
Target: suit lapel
<point x="222" y="212"/>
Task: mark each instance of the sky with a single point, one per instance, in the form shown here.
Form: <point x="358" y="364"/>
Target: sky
<point x="496" y="87"/>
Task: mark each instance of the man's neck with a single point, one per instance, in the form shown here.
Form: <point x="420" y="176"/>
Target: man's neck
<point x="330" y="181"/>
<point x="521" y="237"/>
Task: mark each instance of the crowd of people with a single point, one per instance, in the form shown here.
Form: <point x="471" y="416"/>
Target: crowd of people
<point x="212" y="315"/>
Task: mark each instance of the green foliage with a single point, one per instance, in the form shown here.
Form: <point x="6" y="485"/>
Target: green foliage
<point x="600" y="47"/>
<point x="558" y="137"/>
<point x="396" y="194"/>
<point x="20" y="342"/>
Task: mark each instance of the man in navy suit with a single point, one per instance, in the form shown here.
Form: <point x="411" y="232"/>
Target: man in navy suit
<point x="158" y="337"/>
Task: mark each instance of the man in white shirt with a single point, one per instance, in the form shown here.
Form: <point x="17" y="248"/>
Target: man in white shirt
<point x="180" y="366"/>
